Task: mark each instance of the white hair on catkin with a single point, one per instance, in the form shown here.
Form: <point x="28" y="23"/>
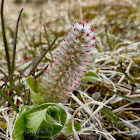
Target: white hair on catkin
<point x="70" y="63"/>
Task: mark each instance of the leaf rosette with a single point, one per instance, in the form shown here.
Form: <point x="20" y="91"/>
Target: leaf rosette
<point x="44" y="121"/>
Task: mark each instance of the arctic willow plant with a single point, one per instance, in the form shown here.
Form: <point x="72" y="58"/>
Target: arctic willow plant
<point x="70" y="63"/>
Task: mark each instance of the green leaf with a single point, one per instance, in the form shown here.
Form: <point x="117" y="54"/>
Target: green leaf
<point x="53" y="122"/>
<point x="9" y="100"/>
<point x="68" y="127"/>
<point x="36" y="94"/>
<point x="91" y="77"/>
<point x="137" y="100"/>
<point x="109" y="114"/>
<point x="21" y="137"/>
<point x="44" y="121"/>
<point x="19" y="128"/>
<point x="33" y="120"/>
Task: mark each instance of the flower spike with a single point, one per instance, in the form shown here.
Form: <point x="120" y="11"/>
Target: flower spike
<point x="67" y="69"/>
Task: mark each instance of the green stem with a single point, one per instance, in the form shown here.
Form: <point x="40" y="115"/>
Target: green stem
<point x="126" y="75"/>
<point x="9" y="100"/>
<point x="108" y="38"/>
<point x="3" y="73"/>
<point x="137" y="100"/>
<point x="4" y="39"/>
<point x="14" y="48"/>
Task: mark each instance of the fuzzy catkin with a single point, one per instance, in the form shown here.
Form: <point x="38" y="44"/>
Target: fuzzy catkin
<point x="70" y="63"/>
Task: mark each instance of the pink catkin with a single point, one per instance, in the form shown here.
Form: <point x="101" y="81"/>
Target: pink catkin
<point x="70" y="63"/>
